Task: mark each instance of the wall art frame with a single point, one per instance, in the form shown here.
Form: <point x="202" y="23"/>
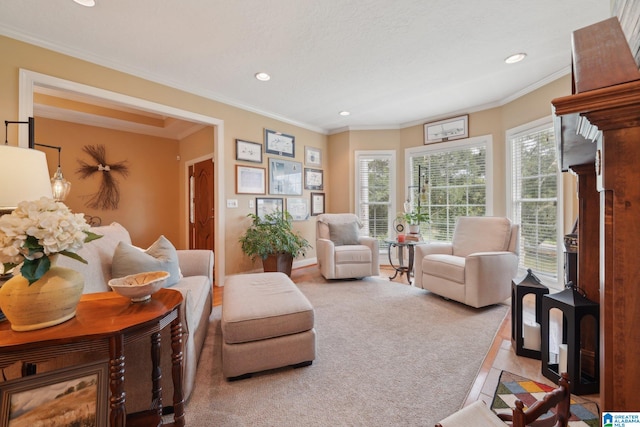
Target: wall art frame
<point x="285" y="177"/>
<point x="79" y="391"/>
<point x="313" y="179"/>
<point x="269" y="205"/>
<point x="298" y="207"/>
<point x="317" y="204"/>
<point x="250" y="180"/>
<point x="279" y="143"/>
<point x="447" y="129"/>
<point x="248" y="151"/>
<point x="313" y="156"/>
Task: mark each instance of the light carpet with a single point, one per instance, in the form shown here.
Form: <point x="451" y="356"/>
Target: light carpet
<point x="388" y="354"/>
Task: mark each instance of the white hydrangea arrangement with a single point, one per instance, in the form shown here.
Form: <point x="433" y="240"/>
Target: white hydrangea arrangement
<point x="38" y="229"/>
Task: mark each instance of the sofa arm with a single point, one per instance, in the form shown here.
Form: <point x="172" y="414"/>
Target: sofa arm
<point x="488" y="277"/>
<point x="424" y="249"/>
<point x="372" y="243"/>
<point x="196" y="262"/>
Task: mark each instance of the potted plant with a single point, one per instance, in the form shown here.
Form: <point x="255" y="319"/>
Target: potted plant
<point x="273" y="240"/>
<point x="414" y="219"/>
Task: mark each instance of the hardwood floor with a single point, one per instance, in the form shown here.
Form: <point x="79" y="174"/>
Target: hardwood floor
<point x="500" y="356"/>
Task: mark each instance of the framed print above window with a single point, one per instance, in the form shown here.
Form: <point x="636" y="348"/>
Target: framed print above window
<point x="250" y="180"/>
<point x="248" y="151"/>
<point x="317" y="203"/>
<point x="313" y="157"/>
<point x="79" y="394"/>
<point x="285" y="177"/>
<point x="279" y="143"/>
<point x="447" y="130"/>
<point x="268" y="206"/>
<point x="298" y="207"/>
<point x="313" y="179"/>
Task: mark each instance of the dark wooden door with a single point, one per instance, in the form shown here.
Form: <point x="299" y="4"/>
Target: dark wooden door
<point x="201" y="224"/>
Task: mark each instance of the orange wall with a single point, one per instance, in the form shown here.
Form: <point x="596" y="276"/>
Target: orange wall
<point x="147" y="205"/>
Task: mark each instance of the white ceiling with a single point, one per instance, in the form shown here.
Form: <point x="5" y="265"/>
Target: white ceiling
<point x="390" y="63"/>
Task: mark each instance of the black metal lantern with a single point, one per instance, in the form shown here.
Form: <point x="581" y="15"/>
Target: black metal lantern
<point x="578" y="352"/>
<point x="526" y="335"/>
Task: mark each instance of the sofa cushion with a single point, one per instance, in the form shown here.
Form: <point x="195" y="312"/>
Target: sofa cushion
<point x="344" y="234"/>
<point x="481" y="234"/>
<point x="448" y="267"/>
<point x="160" y="256"/>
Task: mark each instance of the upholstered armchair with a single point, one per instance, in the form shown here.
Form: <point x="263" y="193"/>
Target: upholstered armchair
<point x="342" y="253"/>
<point x="476" y="267"/>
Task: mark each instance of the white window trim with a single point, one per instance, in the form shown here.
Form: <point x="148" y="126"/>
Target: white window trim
<point x="536" y="125"/>
<point x="392" y="178"/>
<point x="486" y="140"/>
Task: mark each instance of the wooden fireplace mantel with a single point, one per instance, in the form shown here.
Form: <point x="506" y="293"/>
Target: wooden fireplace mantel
<point x="605" y="107"/>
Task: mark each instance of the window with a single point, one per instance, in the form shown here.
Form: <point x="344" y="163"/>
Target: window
<point x="458" y="177"/>
<point x="375" y="172"/>
<point x="534" y="190"/>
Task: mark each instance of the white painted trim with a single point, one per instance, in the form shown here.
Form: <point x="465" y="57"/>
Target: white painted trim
<point x="30" y="79"/>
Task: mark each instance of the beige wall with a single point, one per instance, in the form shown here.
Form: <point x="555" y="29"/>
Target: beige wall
<point x="337" y="149"/>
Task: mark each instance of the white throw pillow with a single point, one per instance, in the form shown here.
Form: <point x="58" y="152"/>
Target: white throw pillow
<point x="160" y="256"/>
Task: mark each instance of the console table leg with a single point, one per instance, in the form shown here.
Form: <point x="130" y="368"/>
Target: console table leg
<point x="156" y="373"/>
<point x="176" y="371"/>
<point x="118" y="414"/>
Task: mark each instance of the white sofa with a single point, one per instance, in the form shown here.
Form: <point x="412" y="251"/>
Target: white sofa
<point x="476" y="268"/>
<point x="195" y="284"/>
<point x="342" y="253"/>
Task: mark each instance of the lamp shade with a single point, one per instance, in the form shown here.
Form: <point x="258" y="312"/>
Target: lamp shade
<point x="24" y="175"/>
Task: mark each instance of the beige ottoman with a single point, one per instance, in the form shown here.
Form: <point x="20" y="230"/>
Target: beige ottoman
<point x="267" y="323"/>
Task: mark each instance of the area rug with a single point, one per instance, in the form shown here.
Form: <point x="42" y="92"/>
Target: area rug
<point x="388" y="354"/>
<point x="511" y="387"/>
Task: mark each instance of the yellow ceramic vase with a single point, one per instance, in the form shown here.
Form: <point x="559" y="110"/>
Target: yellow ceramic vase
<point x="48" y="301"/>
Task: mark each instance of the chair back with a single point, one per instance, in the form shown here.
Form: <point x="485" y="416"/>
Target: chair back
<point x="323" y="221"/>
<point x="482" y="234"/>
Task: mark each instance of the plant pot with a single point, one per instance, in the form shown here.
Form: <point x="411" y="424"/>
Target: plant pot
<point x="49" y="301"/>
<point x="414" y="228"/>
<point x="281" y="262"/>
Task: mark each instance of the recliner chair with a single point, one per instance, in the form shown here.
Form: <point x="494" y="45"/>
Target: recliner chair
<point x="476" y="267"/>
<point x="341" y="252"/>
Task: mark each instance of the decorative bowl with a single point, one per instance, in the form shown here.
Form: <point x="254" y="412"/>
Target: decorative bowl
<point x="139" y="287"/>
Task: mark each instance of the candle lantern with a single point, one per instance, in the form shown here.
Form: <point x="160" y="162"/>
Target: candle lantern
<point x="578" y="349"/>
<point x="525" y="324"/>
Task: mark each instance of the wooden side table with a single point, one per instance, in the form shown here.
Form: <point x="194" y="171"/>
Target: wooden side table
<point x="106" y="322"/>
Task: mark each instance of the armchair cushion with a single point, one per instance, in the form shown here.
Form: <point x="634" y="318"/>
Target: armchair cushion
<point x="344" y="233"/>
<point x="489" y="235"/>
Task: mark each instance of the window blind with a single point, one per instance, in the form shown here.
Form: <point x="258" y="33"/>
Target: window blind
<point x="373" y="193"/>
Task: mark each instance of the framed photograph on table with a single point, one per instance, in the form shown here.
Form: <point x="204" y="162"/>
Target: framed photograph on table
<point x="279" y="143"/>
<point x="285" y="177"/>
<point x="268" y="206"/>
<point x="298" y="208"/>
<point x="248" y="151"/>
<point x="313" y="179"/>
<point x="317" y="203"/>
<point x="447" y="130"/>
<point x="313" y="157"/>
<point x="250" y="180"/>
<point x="79" y="394"/>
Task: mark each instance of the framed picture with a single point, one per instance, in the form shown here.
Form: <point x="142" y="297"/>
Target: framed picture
<point x="268" y="205"/>
<point x="313" y="179"/>
<point x="248" y="151"/>
<point x="317" y="203"/>
<point x="285" y="177"/>
<point x="72" y="396"/>
<point x="313" y="157"/>
<point x="447" y="130"/>
<point x="298" y="208"/>
<point x="279" y="143"/>
<point x="250" y="180"/>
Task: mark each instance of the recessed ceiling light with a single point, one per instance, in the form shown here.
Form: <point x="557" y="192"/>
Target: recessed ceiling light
<point x="88" y="3"/>
<point x="344" y="113"/>
<point x="263" y="77"/>
<point x="515" y="58"/>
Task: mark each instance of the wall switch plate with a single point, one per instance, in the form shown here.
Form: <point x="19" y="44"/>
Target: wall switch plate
<point x="232" y="203"/>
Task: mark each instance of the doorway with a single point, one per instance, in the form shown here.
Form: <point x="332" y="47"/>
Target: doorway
<point x="202" y="209"/>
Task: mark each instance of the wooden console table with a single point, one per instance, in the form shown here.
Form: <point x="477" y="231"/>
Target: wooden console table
<point x="106" y="322"/>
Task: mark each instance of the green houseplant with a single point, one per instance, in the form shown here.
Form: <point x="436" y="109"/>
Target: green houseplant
<point x="272" y="239"/>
